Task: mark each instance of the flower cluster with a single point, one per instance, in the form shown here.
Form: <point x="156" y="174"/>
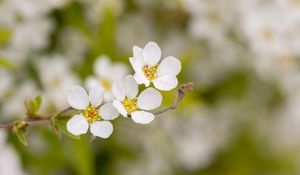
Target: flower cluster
<point x="120" y="93"/>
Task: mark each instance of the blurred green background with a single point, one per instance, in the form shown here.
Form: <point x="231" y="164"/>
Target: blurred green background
<point x="242" y="118"/>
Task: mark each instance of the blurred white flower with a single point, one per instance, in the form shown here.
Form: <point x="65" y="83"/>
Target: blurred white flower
<point x="14" y="102"/>
<point x="27" y="36"/>
<point x="9" y="160"/>
<point x="92" y="114"/>
<point x="73" y="44"/>
<point x="210" y="20"/>
<point x="106" y="74"/>
<point x="56" y="77"/>
<point x="127" y="103"/>
<point x="196" y="135"/>
<point x="145" y="64"/>
<point x="127" y="37"/>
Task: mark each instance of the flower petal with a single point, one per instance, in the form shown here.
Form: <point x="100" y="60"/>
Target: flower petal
<point x="136" y="63"/>
<point x="77" y="125"/>
<point x="118" y="91"/>
<point x="130" y="86"/>
<point x="108" y="112"/>
<point x="169" y="66"/>
<point x="101" y="129"/>
<point x="77" y="97"/>
<point x="102" y="66"/>
<point x="149" y="99"/>
<point x="142" y="117"/>
<point x="118" y="105"/>
<point x="165" y="83"/>
<point x="118" y="71"/>
<point x="108" y="96"/>
<point x="141" y="79"/>
<point x="151" y="53"/>
<point x="137" y="52"/>
<point x="96" y="96"/>
<point x="92" y="82"/>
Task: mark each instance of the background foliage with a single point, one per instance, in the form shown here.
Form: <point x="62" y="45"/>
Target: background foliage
<point x="242" y="55"/>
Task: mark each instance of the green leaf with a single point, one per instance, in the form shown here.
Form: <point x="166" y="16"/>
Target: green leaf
<point x="20" y="130"/>
<point x="55" y="128"/>
<point x="33" y="106"/>
<point x="5" y="35"/>
<point x="7" y="64"/>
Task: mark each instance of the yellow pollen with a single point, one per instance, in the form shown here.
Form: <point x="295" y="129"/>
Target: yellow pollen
<point x="150" y="72"/>
<point x="106" y="84"/>
<point x="129" y="104"/>
<point x="91" y="114"/>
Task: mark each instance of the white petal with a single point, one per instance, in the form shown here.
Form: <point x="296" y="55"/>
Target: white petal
<point x="137" y="52"/>
<point x="118" y="91"/>
<point x="118" y="71"/>
<point x="142" y="117"/>
<point x="141" y="79"/>
<point x="108" y="96"/>
<point x="165" y="83"/>
<point x="92" y="82"/>
<point x="108" y="112"/>
<point x="77" y="125"/>
<point x="136" y="63"/>
<point x="96" y="96"/>
<point x="118" y="105"/>
<point x="169" y="66"/>
<point x="101" y="129"/>
<point x="151" y="53"/>
<point x="102" y="66"/>
<point x="149" y="99"/>
<point x="77" y="97"/>
<point x="131" y="86"/>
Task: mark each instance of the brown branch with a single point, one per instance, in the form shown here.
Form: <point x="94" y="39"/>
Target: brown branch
<point x="34" y="119"/>
<point x="180" y="93"/>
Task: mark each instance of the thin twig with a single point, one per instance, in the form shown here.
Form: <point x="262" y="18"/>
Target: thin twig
<point x="34" y="119"/>
<point x="180" y="93"/>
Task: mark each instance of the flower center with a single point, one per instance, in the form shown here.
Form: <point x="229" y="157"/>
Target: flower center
<point x="91" y="114"/>
<point x="150" y="72"/>
<point x="129" y="104"/>
<point x="106" y="84"/>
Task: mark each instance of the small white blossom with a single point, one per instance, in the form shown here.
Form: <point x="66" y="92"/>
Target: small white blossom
<point x="56" y="77"/>
<point x="127" y="103"/>
<point x="9" y="159"/>
<point x="106" y="74"/>
<point x="92" y="114"/>
<point x="145" y="64"/>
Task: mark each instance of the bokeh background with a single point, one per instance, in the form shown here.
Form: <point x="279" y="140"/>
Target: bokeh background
<point x="243" y="117"/>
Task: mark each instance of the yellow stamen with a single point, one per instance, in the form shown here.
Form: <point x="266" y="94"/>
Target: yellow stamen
<point x="150" y="72"/>
<point x="91" y="114"/>
<point x="106" y="84"/>
<point x="129" y="104"/>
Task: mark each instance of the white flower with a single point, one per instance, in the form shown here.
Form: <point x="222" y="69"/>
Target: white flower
<point x="56" y="77"/>
<point x="92" y="114"/>
<point x="145" y="64"/>
<point x="9" y="159"/>
<point x="106" y="74"/>
<point x="127" y="103"/>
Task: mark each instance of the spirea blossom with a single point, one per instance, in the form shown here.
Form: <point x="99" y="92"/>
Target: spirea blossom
<point x="92" y="113"/>
<point x="145" y="63"/>
<point x="127" y="102"/>
<point x="106" y="74"/>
